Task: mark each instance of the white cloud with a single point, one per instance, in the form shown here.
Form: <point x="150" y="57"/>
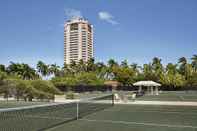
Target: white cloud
<point x="72" y="13"/>
<point x="103" y="15"/>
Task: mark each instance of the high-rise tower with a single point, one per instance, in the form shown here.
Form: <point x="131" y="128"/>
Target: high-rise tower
<point x="78" y="40"/>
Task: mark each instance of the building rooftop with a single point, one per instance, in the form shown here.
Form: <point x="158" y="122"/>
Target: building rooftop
<point x="76" y="20"/>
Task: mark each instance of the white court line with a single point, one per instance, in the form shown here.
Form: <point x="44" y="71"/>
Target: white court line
<point x="42" y="117"/>
<point x="138" y="123"/>
<point x="169" y="103"/>
<point x="161" y="112"/>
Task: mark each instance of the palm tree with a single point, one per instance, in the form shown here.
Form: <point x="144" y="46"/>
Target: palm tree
<point x="188" y="71"/>
<point x="182" y="68"/>
<point x="100" y="66"/>
<point x="81" y="66"/>
<point x="23" y="71"/>
<point x="3" y="75"/>
<point x="27" y="72"/>
<point x="182" y="60"/>
<point x="112" y="63"/>
<point x="90" y="65"/>
<point x="156" y="64"/>
<point x="148" y="72"/>
<point x="156" y="60"/>
<point x="124" y="64"/>
<point x="171" y="68"/>
<point x="54" y="69"/>
<point x="65" y="70"/>
<point x="194" y="62"/>
<point x="135" y="67"/>
<point x="73" y="67"/>
<point x="157" y="68"/>
<point x="43" y="69"/>
<point x="101" y="69"/>
<point x="12" y="68"/>
<point x="2" y="68"/>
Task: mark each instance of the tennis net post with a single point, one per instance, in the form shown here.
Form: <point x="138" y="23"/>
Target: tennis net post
<point x="113" y="99"/>
<point x="77" y="110"/>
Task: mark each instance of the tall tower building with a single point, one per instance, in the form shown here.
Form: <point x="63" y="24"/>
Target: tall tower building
<point x="78" y="40"/>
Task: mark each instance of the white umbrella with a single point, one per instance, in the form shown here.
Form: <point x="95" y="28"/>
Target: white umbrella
<point x="146" y="83"/>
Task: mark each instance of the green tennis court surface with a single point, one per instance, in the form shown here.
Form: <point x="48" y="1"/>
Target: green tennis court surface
<point x="98" y="114"/>
<point x="136" y="118"/>
<point x="41" y="117"/>
<point x="171" y="96"/>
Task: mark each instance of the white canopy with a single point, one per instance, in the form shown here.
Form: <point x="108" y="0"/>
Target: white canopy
<point x="146" y="83"/>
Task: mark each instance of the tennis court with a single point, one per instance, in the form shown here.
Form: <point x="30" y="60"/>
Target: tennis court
<point x="45" y="116"/>
<point x="136" y="118"/>
<point x="14" y="103"/>
<point x="98" y="114"/>
<point x="171" y="96"/>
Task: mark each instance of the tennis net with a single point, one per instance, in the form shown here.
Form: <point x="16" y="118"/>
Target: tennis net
<point x="41" y="117"/>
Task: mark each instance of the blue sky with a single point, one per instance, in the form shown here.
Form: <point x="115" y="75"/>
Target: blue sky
<point x="136" y="30"/>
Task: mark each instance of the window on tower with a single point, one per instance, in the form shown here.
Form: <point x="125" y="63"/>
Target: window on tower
<point x="74" y="26"/>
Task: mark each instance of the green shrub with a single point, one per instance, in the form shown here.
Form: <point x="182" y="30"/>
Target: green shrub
<point x="70" y="95"/>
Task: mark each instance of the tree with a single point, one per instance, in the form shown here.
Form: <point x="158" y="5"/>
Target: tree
<point x="28" y="73"/>
<point x="46" y="90"/>
<point x="188" y="71"/>
<point x="14" y="68"/>
<point x="137" y="69"/>
<point x="172" y="80"/>
<point x="171" y="68"/>
<point x="23" y="71"/>
<point x="62" y="82"/>
<point x="3" y="76"/>
<point x="81" y="66"/>
<point x="19" y="87"/>
<point x="65" y="70"/>
<point x="73" y="67"/>
<point x="100" y="66"/>
<point x="192" y="80"/>
<point x="157" y="68"/>
<point x="171" y="77"/>
<point x="101" y="70"/>
<point x="89" y="78"/>
<point x="54" y="69"/>
<point x="148" y="72"/>
<point x="109" y="71"/>
<point x="182" y="65"/>
<point x="5" y="88"/>
<point x="2" y="68"/>
<point x="112" y="63"/>
<point x="124" y="64"/>
<point x="43" y="69"/>
<point x="90" y="65"/>
<point x="124" y="75"/>
<point x="194" y="62"/>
